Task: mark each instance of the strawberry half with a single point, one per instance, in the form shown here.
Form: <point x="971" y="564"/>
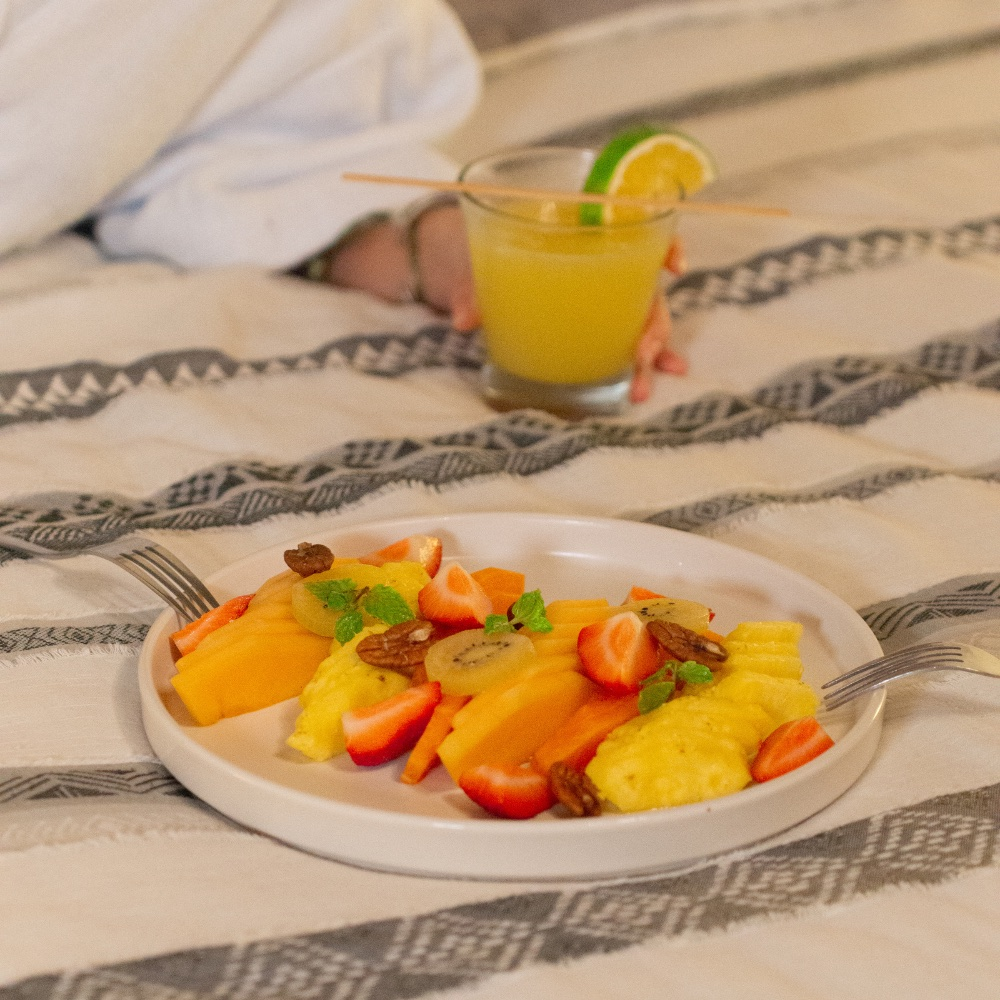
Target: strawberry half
<point x="187" y="638"/>
<point x="453" y="597"/>
<point x="423" y="549"/>
<point x="790" y="746"/>
<point x="507" y="790"/>
<point x="618" y="653"/>
<point x="384" y="731"/>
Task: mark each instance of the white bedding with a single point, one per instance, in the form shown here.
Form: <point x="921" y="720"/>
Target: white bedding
<point x="841" y="416"/>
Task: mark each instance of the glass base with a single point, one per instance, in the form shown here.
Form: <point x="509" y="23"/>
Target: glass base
<point x="572" y="401"/>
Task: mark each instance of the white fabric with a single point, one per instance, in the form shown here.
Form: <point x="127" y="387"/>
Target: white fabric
<point x="209" y="132"/>
<point x="184" y="878"/>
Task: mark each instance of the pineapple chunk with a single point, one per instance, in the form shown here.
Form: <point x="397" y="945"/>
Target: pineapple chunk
<point x="766" y="648"/>
<point x="783" y="698"/>
<point x="342" y="682"/>
<point x="641" y="766"/>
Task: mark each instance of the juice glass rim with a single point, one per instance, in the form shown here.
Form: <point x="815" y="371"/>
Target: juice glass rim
<point x="654" y="216"/>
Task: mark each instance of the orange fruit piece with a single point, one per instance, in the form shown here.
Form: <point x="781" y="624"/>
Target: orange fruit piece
<point x="502" y="586"/>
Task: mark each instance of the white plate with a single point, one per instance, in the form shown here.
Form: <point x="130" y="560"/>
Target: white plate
<point x="367" y="817"/>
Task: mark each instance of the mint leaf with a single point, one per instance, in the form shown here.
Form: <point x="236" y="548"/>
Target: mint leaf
<point x="665" y="673"/>
<point x="529" y="610"/>
<point x="694" y="673"/>
<point x="349" y="624"/>
<point x="386" y="604"/>
<point x="495" y="624"/>
<point x="338" y="595"/>
<point x="652" y="696"/>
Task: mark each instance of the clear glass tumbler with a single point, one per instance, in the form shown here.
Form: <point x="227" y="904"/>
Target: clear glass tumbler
<point x="563" y="301"/>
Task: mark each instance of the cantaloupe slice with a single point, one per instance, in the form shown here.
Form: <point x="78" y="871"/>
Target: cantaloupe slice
<point x="259" y="659"/>
<point x="520" y="720"/>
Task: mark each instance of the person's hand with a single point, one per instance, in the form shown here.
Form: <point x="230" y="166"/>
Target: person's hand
<point x="654" y="353"/>
<point x="377" y="261"/>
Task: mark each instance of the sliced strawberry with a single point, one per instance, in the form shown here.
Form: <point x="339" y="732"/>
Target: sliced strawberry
<point x="507" y="790"/>
<point x="790" y="746"/>
<point x="423" y="549"/>
<point x="641" y="594"/>
<point x="187" y="638"/>
<point x="384" y="731"/>
<point x="453" y="597"/>
<point x="618" y="652"/>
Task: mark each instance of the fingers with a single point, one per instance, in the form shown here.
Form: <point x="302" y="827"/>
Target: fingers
<point x="653" y="352"/>
<point x="676" y="259"/>
<point x="464" y="311"/>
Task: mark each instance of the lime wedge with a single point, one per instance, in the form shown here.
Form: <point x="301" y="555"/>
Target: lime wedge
<point x="646" y="162"/>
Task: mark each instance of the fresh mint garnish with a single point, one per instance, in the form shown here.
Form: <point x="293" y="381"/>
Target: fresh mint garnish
<point x="694" y="673"/>
<point x="658" y="688"/>
<point x="338" y="595"/>
<point x="349" y="624"/>
<point x="384" y="604"/>
<point x="387" y="605"/>
<point x="528" y="611"/>
<point x="654" y="695"/>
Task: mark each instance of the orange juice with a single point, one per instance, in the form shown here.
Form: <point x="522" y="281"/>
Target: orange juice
<point x="563" y="303"/>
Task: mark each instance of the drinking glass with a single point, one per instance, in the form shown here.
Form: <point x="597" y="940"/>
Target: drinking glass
<point x="563" y="301"/>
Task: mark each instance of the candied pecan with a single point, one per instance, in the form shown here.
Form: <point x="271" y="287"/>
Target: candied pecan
<point x="574" y="790"/>
<point x="309" y="558"/>
<point x="401" y="647"/>
<point x="684" y="644"/>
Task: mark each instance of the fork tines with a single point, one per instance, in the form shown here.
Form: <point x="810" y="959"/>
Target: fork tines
<point x="926" y="656"/>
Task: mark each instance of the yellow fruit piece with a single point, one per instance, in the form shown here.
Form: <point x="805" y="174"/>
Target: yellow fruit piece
<point x="690" y="614"/>
<point x="518" y="723"/>
<point x="709" y="715"/>
<point x="771" y="631"/>
<point x="577" y="612"/>
<point x="409" y="578"/>
<point x="259" y="659"/>
<point x="483" y="702"/>
<point x="342" y="682"/>
<point x="562" y="639"/>
<point x="470" y="661"/>
<point x="765" y="647"/>
<point x="642" y="767"/>
<point x="782" y="698"/>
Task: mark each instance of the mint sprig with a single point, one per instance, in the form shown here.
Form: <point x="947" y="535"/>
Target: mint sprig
<point x="528" y="611"/>
<point x="658" y="688"/>
<point x="383" y="603"/>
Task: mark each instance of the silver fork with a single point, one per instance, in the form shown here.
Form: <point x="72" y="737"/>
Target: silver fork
<point x="914" y="659"/>
<point x="151" y="564"/>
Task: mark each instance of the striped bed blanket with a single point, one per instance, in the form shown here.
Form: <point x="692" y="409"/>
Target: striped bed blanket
<point x="841" y="417"/>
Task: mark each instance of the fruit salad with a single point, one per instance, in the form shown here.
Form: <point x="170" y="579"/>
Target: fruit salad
<point x="581" y="704"/>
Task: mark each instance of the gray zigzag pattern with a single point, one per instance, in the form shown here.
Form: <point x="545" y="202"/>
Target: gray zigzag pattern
<point x="392" y="959"/>
<point x="775" y="273"/>
<point x="902" y="621"/>
<point x="85" y="387"/>
<point x="841" y="392"/>
<point x="719" y="508"/>
<point x="23" y="640"/>
<point x="32" y="784"/>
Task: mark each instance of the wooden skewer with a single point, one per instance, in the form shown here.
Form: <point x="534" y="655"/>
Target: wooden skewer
<point x="544" y="194"/>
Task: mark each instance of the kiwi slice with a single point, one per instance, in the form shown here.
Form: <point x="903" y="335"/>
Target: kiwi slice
<point x="470" y="661"/>
<point x="690" y="614"/>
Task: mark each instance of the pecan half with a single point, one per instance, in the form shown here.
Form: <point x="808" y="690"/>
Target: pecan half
<point x="401" y="647"/>
<point x="574" y="790"/>
<point x="683" y="644"/>
<point x="309" y="558"/>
